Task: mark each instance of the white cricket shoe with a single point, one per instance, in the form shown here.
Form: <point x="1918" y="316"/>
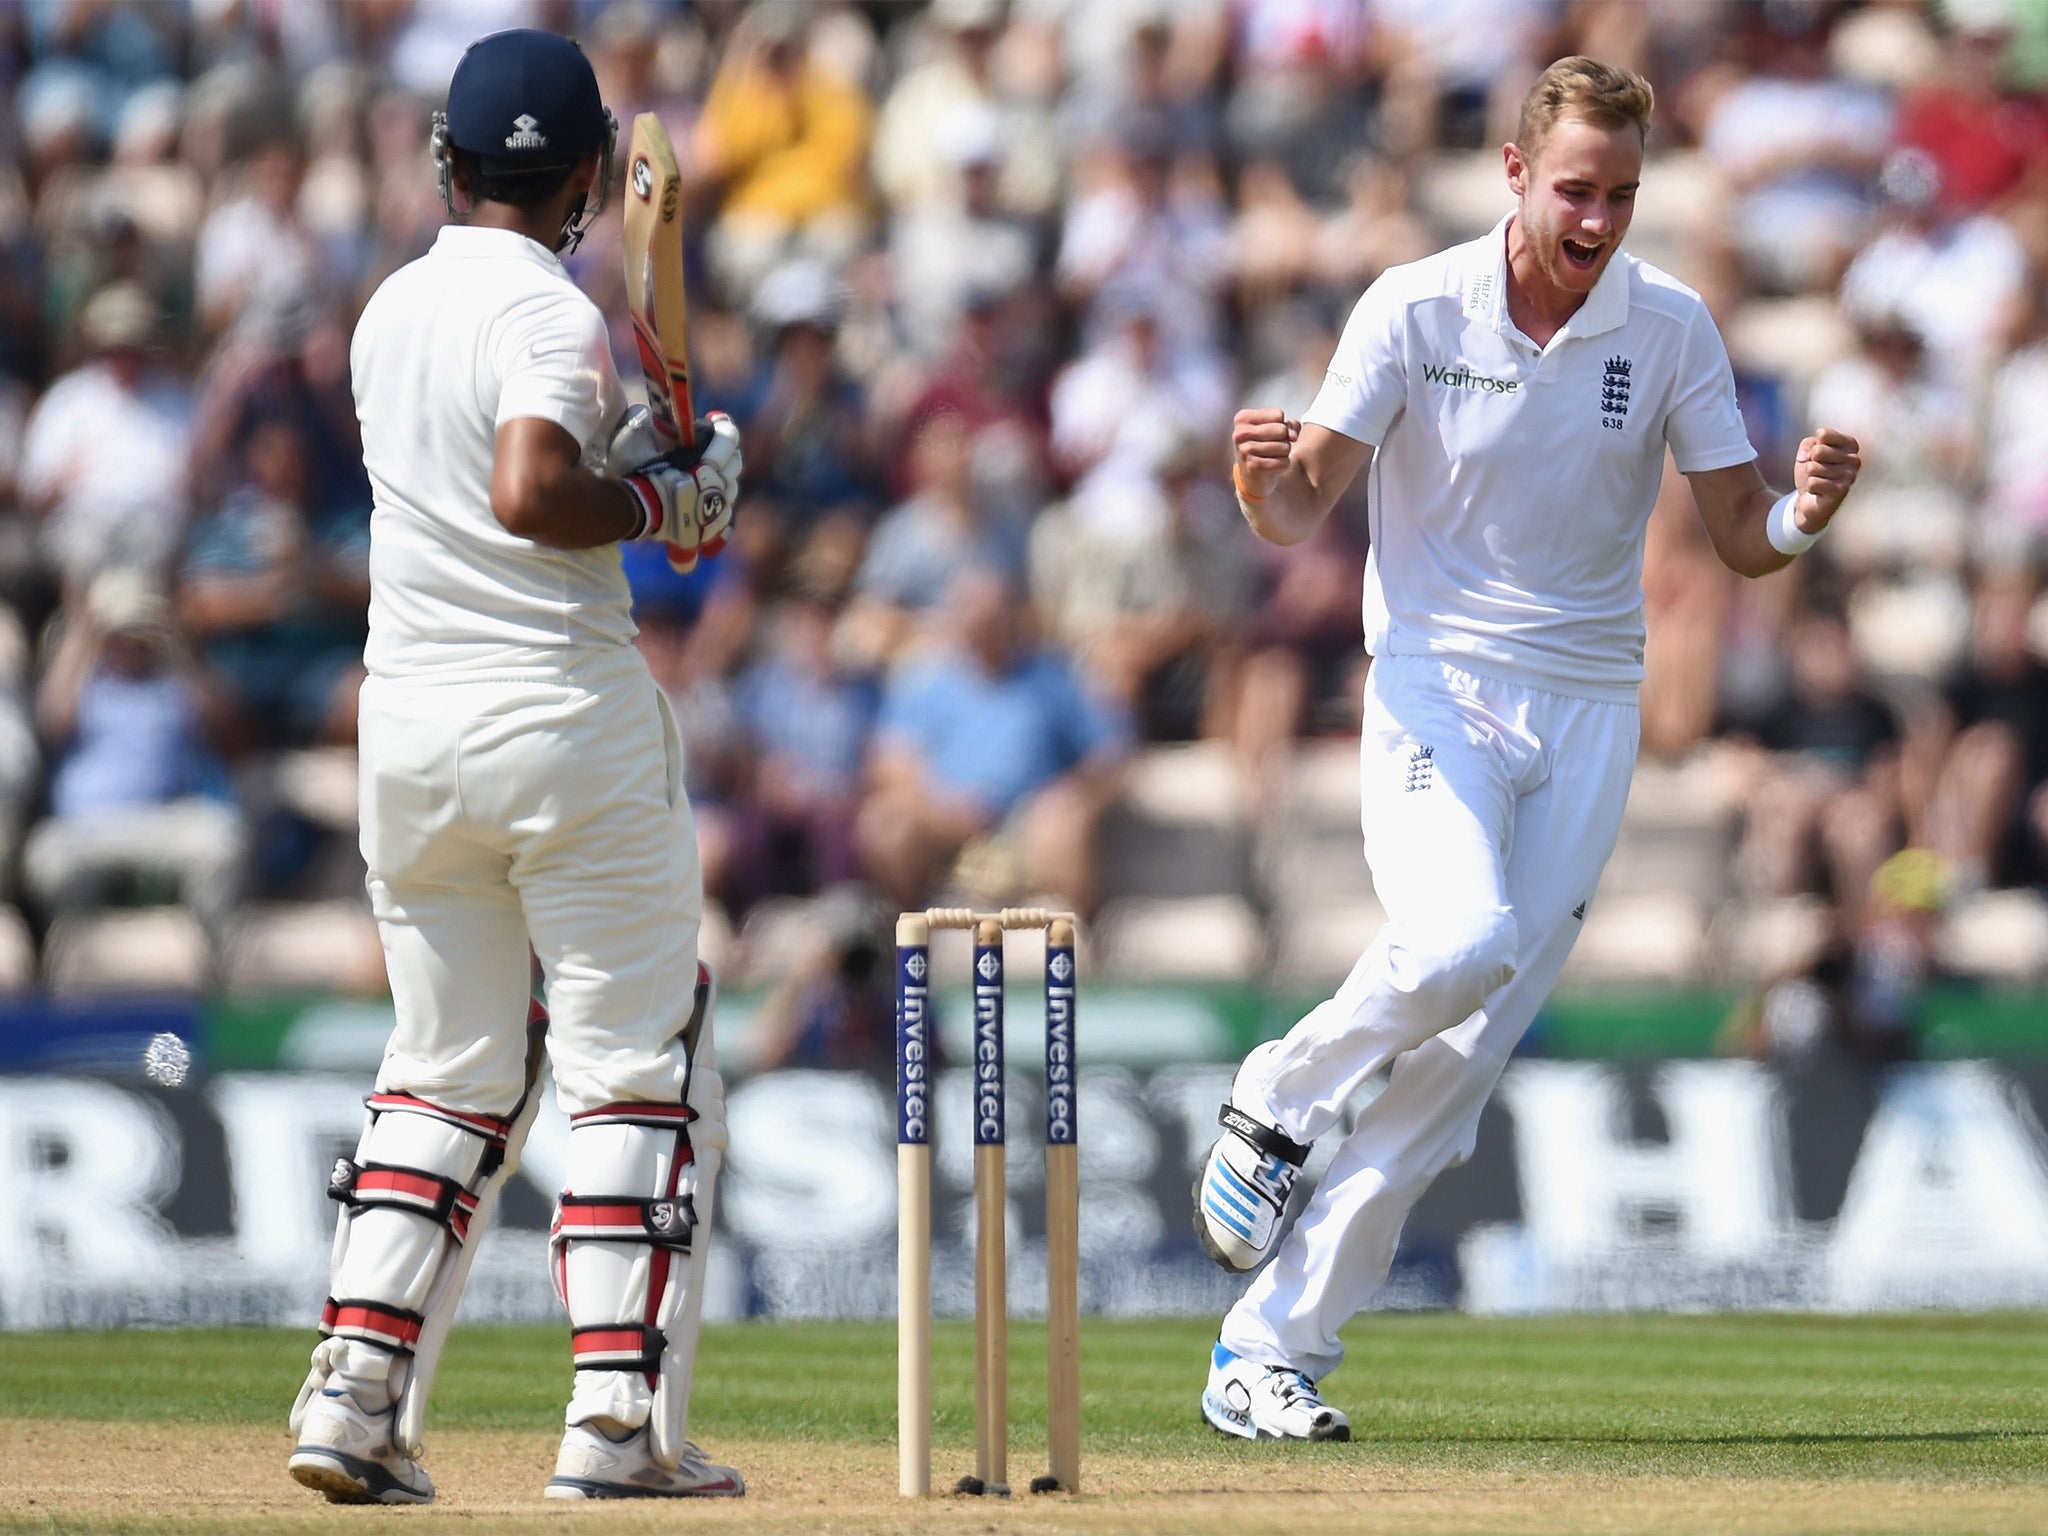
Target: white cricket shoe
<point x="1241" y="1194"/>
<point x="1267" y="1402"/>
<point x="592" y="1465"/>
<point x="345" y="1451"/>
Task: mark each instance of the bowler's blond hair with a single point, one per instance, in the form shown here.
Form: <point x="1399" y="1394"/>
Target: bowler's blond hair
<point x="1578" y="87"/>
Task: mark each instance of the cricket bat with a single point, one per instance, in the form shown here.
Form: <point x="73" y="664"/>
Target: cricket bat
<point x="654" y="285"/>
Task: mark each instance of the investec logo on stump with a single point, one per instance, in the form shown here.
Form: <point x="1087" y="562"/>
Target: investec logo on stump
<point x="1059" y="1048"/>
<point x="1462" y="377"/>
<point x="988" y="1045"/>
<point x="913" y="1051"/>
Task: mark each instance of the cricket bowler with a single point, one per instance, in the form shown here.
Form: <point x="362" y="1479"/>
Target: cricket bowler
<point x="522" y="786"/>
<point x="1514" y="397"/>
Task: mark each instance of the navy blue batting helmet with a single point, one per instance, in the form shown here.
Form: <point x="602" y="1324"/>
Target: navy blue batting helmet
<point x="525" y="103"/>
<point x="525" y="100"/>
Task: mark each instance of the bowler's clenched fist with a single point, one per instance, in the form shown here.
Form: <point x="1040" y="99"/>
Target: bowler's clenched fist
<point x="1826" y="467"/>
<point x="1262" y="439"/>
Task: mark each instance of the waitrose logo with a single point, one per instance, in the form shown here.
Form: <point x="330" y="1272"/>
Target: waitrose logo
<point x="1462" y="377"/>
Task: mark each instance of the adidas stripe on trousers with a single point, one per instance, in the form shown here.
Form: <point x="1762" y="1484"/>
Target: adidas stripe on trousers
<point x="1489" y="809"/>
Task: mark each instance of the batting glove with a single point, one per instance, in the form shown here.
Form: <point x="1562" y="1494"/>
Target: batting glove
<point x="687" y="495"/>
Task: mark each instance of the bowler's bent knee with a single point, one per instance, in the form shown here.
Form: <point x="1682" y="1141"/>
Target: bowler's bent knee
<point x="1450" y="968"/>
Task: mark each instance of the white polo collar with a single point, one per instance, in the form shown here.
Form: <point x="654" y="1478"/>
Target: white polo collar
<point x="469" y="242"/>
<point x="1486" y="291"/>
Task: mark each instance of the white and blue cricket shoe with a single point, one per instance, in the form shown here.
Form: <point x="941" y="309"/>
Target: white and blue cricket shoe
<point x="345" y="1451"/>
<point x="593" y="1465"/>
<point x="1267" y="1402"/>
<point x="1241" y="1194"/>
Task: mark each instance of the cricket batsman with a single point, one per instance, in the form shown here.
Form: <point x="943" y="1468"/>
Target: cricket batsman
<point x="1514" y="397"/>
<point x="522" y="786"/>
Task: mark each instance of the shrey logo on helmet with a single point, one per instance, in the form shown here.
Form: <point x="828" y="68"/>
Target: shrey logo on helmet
<point x="526" y="133"/>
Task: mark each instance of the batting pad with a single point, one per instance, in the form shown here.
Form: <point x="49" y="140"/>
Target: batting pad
<point x="629" y="1247"/>
<point x="415" y="1198"/>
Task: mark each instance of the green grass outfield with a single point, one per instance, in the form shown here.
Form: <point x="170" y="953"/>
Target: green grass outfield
<point x="1875" y="1407"/>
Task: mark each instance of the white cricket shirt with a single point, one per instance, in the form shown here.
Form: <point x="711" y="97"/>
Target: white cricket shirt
<point x="484" y="328"/>
<point x="1513" y="483"/>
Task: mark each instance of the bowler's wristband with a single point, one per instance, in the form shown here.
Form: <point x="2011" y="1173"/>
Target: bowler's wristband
<point x="1786" y="536"/>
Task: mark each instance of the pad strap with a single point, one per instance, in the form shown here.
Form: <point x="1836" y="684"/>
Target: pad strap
<point x="372" y="1322"/>
<point x="490" y="1127"/>
<point x="436" y="1196"/>
<point x="663" y="1222"/>
<point x="633" y="1112"/>
<point x="617" y="1347"/>
<point x="450" y="1202"/>
<point x="1262" y="1136"/>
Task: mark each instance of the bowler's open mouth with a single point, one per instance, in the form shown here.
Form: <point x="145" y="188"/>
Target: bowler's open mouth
<point x="1581" y="255"/>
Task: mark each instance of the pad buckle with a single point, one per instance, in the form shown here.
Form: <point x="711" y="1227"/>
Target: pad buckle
<point x="341" y="1181"/>
<point x="445" y="1201"/>
<point x="665" y="1221"/>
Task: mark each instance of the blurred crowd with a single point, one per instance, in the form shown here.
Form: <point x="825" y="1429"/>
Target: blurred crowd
<point x="982" y="283"/>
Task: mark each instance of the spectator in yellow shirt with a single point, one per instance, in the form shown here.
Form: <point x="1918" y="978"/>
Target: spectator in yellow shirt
<point x="782" y="146"/>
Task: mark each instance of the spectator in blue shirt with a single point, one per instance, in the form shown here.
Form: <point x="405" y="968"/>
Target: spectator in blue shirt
<point x="989" y="741"/>
<point x="808" y="721"/>
<point x="922" y="544"/>
<point x="133" y="792"/>
<point x="277" y="597"/>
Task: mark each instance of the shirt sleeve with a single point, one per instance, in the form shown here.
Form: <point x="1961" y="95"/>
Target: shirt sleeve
<point x="553" y="361"/>
<point x="1704" y="425"/>
<point x="1367" y="382"/>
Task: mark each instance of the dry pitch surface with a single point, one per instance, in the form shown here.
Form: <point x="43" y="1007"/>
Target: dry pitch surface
<point x="1766" y="1425"/>
<point x="133" y="1477"/>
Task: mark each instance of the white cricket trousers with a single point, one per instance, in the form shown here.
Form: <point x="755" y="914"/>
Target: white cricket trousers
<point x="498" y="813"/>
<point x="1489" y="809"/>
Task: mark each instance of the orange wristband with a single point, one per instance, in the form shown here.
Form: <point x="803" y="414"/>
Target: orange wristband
<point x="1237" y="479"/>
